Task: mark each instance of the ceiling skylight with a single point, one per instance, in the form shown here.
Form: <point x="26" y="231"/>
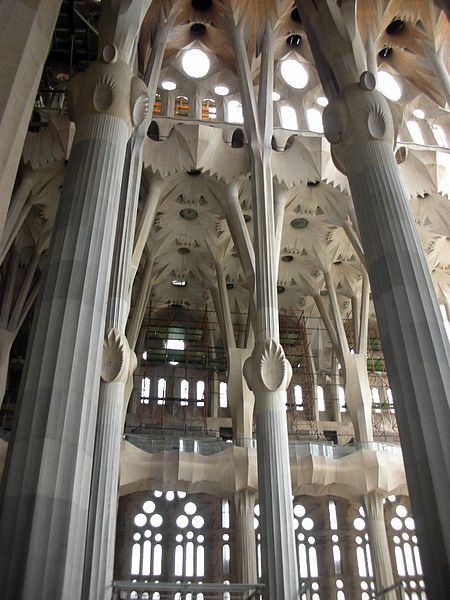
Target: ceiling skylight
<point x="419" y="113"/>
<point x="169" y="85"/>
<point x="294" y="73"/>
<point x="388" y="86"/>
<point x="322" y="101"/>
<point x="221" y="90"/>
<point x="195" y="63"/>
<point x="275" y="96"/>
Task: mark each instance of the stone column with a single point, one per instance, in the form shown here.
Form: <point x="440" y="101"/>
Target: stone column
<point x="244" y="503"/>
<point x="379" y="548"/>
<point x="240" y="399"/>
<point x="359" y="125"/>
<point x="267" y="371"/>
<point x="26" y="28"/>
<point x="46" y="492"/>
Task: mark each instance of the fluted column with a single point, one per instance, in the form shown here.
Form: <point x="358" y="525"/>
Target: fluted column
<point x="46" y="492"/>
<point x="267" y="371"/>
<point x="379" y="548"/>
<point x="359" y="125"/>
<point x="244" y="503"/>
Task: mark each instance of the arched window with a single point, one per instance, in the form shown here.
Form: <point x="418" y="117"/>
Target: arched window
<point x="234" y="110"/>
<point x="181" y="106"/>
<point x="200" y="393"/>
<point x="390" y="400"/>
<point x="223" y="398"/>
<point x="209" y="110"/>
<point x="161" y="390"/>
<point x="145" y="390"/>
<point x="401" y="532"/>
<point x="314" y="118"/>
<point x="184" y="392"/>
<point x="320" y="399"/>
<point x="439" y="135"/>
<point x="415" y="132"/>
<point x="376" y="400"/>
<point x="363" y="555"/>
<point x="157" y="106"/>
<point x="298" y="397"/>
<point x="237" y="139"/>
<point x="288" y="117"/>
<point x="153" y="131"/>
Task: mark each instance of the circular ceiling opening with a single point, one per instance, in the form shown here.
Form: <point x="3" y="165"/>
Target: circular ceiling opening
<point x="294" y="73"/>
<point x="396" y="26"/>
<point x="195" y="63"/>
<point x="183" y="250"/>
<point x="247" y="218"/>
<point x="388" y="86"/>
<point x="299" y="223"/>
<point x="230" y="285"/>
<point x="287" y="258"/>
<point x="295" y="16"/>
<point x="294" y="40"/>
<point x="188" y="213"/>
<point x="280" y="289"/>
<point x="385" y="52"/>
<point x="198" y="29"/>
<point x="201" y="4"/>
<point x="221" y="90"/>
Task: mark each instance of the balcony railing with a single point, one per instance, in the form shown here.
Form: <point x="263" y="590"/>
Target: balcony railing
<point x="208" y="446"/>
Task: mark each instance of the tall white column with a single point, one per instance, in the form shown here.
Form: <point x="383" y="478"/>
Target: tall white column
<point x="46" y="492"/>
<point x="359" y="125"/>
<point x="244" y="503"/>
<point x="267" y="371"/>
<point x="26" y="28"/>
<point x="379" y="548"/>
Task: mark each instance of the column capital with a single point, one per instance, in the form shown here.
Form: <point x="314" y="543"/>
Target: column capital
<point x="118" y="360"/>
<point x="109" y="87"/>
<point x="359" y="113"/>
<point x="267" y="369"/>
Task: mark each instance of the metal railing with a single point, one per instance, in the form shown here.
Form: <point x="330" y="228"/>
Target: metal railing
<point x="140" y="590"/>
<point x="208" y="446"/>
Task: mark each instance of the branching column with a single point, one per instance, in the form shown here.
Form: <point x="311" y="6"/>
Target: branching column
<point x="267" y="371"/>
<point x="26" y="28"/>
<point x="46" y="492"/>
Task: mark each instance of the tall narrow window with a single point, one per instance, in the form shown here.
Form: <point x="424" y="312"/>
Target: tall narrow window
<point x="200" y="393"/>
<point x="376" y="400"/>
<point x="342" y="405"/>
<point x="209" y="109"/>
<point x="288" y="118"/>
<point x="298" y="397"/>
<point x="223" y="399"/>
<point x="182" y="106"/>
<point x="390" y="400"/>
<point x="320" y="399"/>
<point x="415" y="132"/>
<point x="234" y="110"/>
<point x="157" y="106"/>
<point x="145" y="390"/>
<point x="314" y="118"/>
<point x="161" y="390"/>
<point x="184" y="392"/>
<point x="439" y="135"/>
